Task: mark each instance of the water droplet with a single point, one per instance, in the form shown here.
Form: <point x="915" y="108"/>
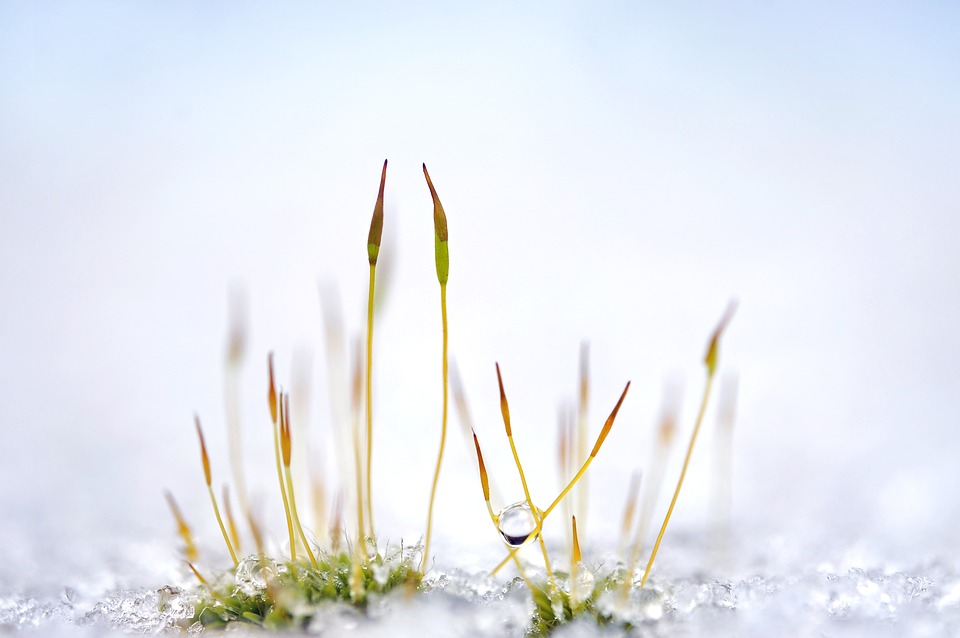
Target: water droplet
<point x="516" y="523"/>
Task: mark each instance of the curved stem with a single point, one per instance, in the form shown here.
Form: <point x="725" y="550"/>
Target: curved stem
<point x="683" y="473"/>
<point x="223" y="530"/>
<point x="283" y="492"/>
<point x="443" y="431"/>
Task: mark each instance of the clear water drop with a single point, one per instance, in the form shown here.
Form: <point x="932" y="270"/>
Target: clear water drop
<point x="516" y="524"/>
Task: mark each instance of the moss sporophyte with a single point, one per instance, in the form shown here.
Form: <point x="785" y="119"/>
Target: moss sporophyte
<point x="343" y="563"/>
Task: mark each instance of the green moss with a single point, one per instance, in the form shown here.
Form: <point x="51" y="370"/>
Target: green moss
<point x="589" y="598"/>
<point x="273" y="595"/>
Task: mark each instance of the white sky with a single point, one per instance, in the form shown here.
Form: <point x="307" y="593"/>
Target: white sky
<point x="613" y="172"/>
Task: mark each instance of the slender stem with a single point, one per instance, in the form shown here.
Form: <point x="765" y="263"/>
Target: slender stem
<point x="683" y="473"/>
<point x="283" y="491"/>
<point x="361" y="534"/>
<point x="663" y="446"/>
<point x="356" y="581"/>
<point x="626" y="523"/>
<point x="646" y="512"/>
<point x="443" y="431"/>
<point x="373" y="271"/>
<point x="296" y="518"/>
<point x="582" y="495"/>
<point x="231" y="523"/>
<point x="493" y="516"/>
<point x="538" y="519"/>
<point x="223" y="530"/>
<point x="203" y="581"/>
<point x="236" y="348"/>
<point x="546" y="512"/>
<point x="566" y="490"/>
<point x="360" y="549"/>
<point x="207" y="477"/>
<point x="286" y="440"/>
<point x="183" y="529"/>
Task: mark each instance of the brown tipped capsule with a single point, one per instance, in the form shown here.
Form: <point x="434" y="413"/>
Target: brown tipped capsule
<point x="710" y="359"/>
<point x="272" y="390"/>
<point x="484" y="482"/>
<point x="440" y="233"/>
<point x="609" y="423"/>
<point x="175" y="510"/>
<point x="576" y="543"/>
<point x="183" y="528"/>
<point x="439" y="217"/>
<point x="504" y="408"/>
<point x="376" y="223"/>
<point x="203" y="451"/>
<point x="285" y="447"/>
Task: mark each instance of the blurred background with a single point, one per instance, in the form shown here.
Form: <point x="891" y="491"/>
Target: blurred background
<point x="612" y="173"/>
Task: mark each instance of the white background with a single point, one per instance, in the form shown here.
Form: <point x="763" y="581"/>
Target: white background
<point x="614" y="173"/>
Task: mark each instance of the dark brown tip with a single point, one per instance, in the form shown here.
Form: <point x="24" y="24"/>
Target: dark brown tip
<point x="484" y="481"/>
<point x="504" y="407"/>
<point x="609" y="424"/>
<point x="710" y="359"/>
<point x="439" y="217"/>
<point x="272" y="390"/>
<point x="376" y="221"/>
<point x="203" y="450"/>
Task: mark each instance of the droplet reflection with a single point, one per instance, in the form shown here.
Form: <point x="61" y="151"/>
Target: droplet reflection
<point x="516" y="523"/>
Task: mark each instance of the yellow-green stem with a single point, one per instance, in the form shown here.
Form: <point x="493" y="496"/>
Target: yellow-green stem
<point x="183" y="529"/>
<point x="536" y="515"/>
<point x="223" y="530"/>
<point x="296" y="518"/>
<point x="443" y="431"/>
<point x="582" y="495"/>
<point x="283" y="491"/>
<point x="546" y="512"/>
<point x="683" y="473"/>
<point x="373" y="272"/>
<point x="361" y="532"/>
<point x="231" y="523"/>
<point x="566" y="490"/>
<point x="360" y="549"/>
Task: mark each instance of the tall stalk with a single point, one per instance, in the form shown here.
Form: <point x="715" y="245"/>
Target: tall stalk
<point x="442" y="256"/>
